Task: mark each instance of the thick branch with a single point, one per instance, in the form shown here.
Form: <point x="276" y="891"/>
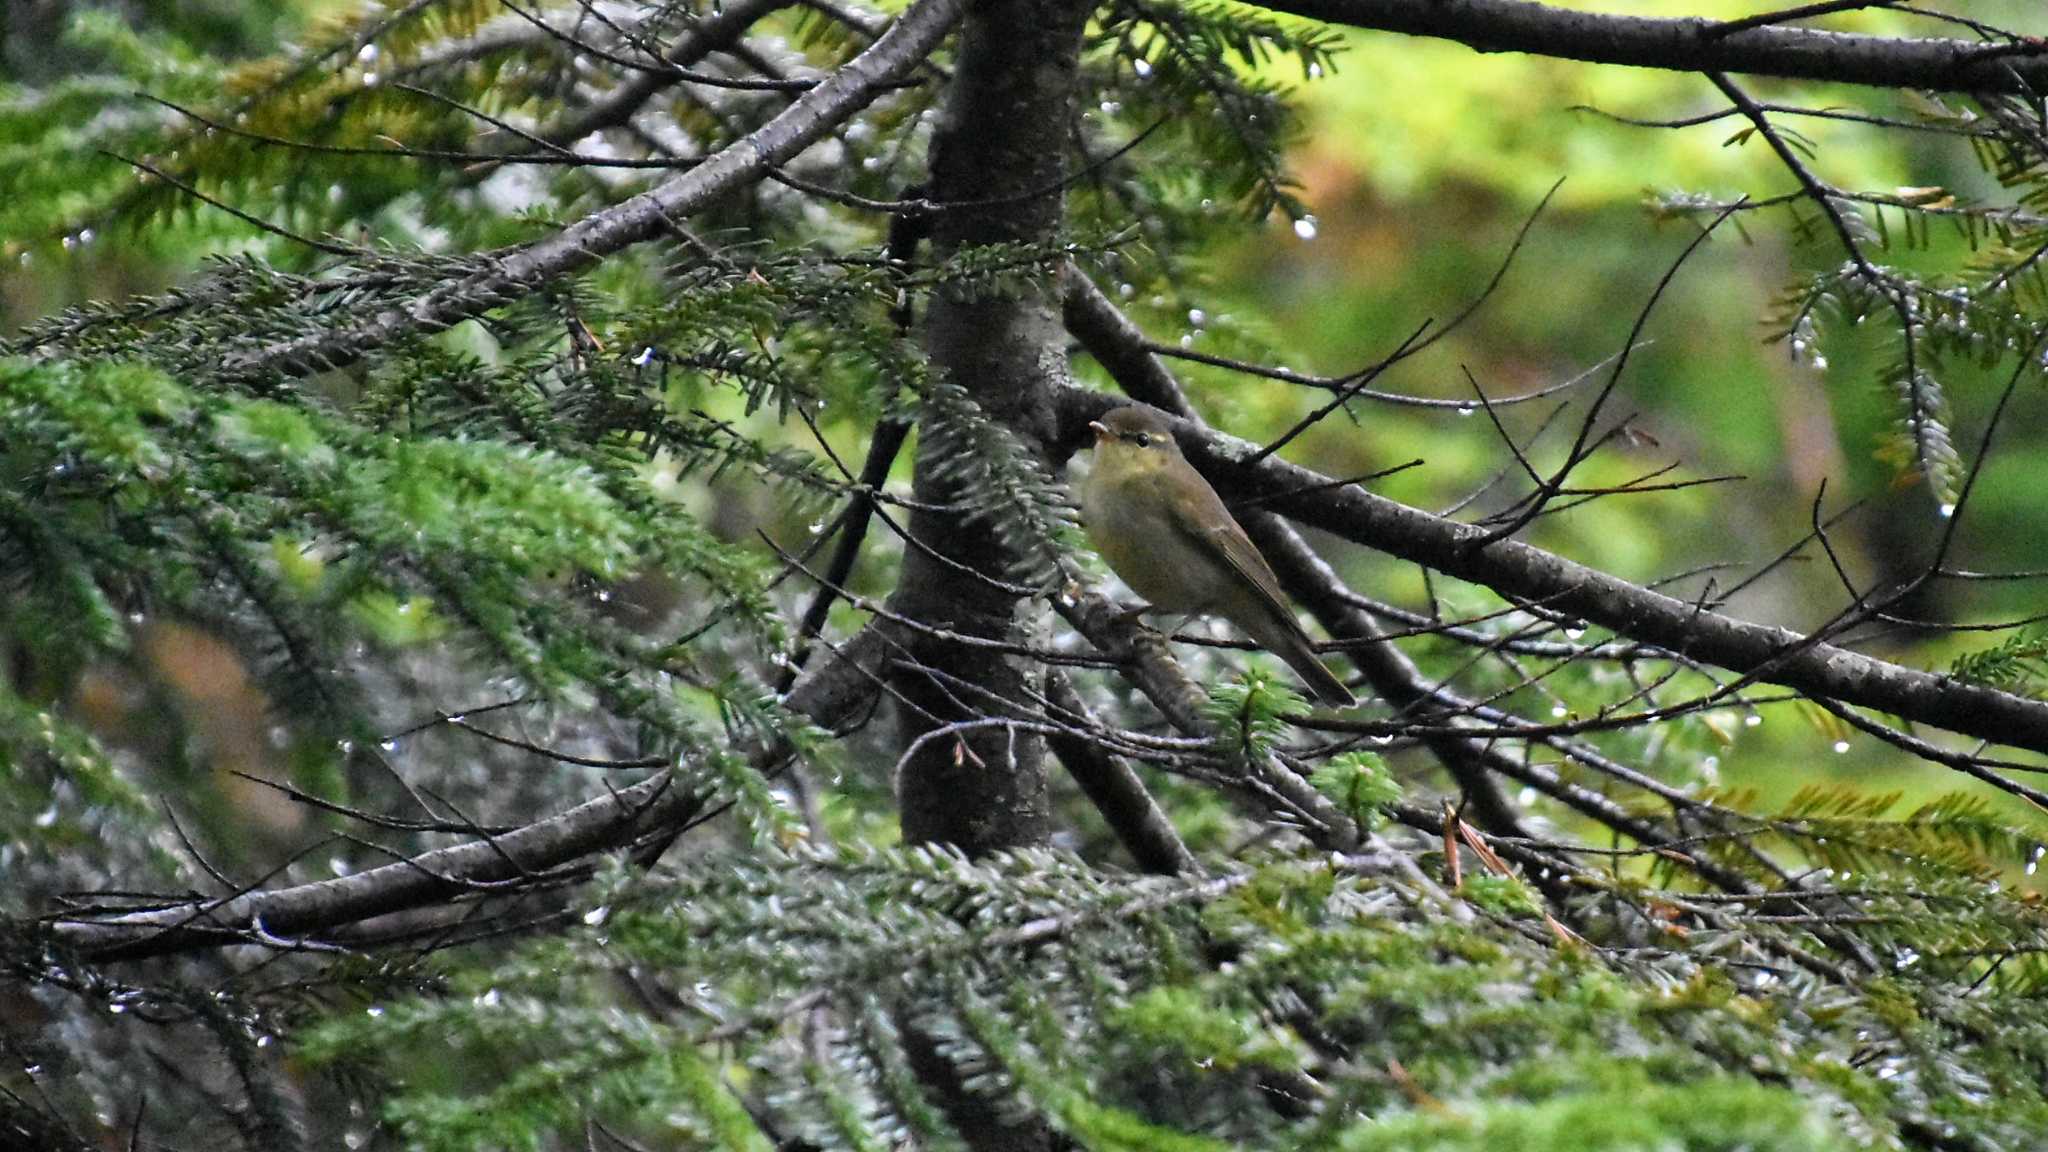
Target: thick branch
<point x="1119" y="345"/>
<point x="1116" y="791"/>
<point x="612" y="821"/>
<point x="1524" y="572"/>
<point x="1693" y="44"/>
<point x="600" y="234"/>
<point x="1269" y="787"/>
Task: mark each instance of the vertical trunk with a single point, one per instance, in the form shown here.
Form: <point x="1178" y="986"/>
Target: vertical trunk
<point x="983" y="789"/>
<point x="1001" y="144"/>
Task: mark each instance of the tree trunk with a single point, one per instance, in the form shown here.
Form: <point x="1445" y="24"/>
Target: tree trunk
<point x="1001" y="144"/>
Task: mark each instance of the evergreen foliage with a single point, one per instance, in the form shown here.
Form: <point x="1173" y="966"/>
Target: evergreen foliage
<point x="412" y="753"/>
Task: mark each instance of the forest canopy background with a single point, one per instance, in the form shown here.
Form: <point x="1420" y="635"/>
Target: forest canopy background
<point x="544" y="607"/>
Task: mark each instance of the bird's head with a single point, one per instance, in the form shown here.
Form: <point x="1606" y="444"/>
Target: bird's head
<point x="1133" y="434"/>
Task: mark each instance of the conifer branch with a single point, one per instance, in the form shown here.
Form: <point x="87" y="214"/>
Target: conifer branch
<point x="527" y="270"/>
<point x="836" y="691"/>
<point x="1525" y="572"/>
<point x="1695" y="44"/>
<point x="1473" y="762"/>
<point x="1115" y="790"/>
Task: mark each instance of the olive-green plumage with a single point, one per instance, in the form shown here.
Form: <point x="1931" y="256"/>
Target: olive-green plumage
<point x="1167" y="533"/>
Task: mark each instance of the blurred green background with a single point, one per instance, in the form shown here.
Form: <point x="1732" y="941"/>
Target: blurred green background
<point x="1421" y="162"/>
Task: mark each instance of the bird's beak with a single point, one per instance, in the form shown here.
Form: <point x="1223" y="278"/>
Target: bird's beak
<point x="1100" y="430"/>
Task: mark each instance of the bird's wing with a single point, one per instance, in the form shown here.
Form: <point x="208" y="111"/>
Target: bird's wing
<point x="1203" y="521"/>
<point x="1203" y="518"/>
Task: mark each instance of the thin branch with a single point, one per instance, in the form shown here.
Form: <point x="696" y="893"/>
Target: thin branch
<point x="615" y="108"/>
<point x="1269" y="786"/>
<point x="551" y="157"/>
<point x="1359" y="382"/>
<point x="253" y="221"/>
<point x="853" y="530"/>
<point x="1788" y="15"/>
<point x="656" y="65"/>
<point x="1934" y="127"/>
<point x="1115" y="790"/>
<point x="605" y="823"/>
<point x="1582" y="444"/>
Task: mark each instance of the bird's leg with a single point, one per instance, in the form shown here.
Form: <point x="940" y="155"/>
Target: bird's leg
<point x="1132" y="618"/>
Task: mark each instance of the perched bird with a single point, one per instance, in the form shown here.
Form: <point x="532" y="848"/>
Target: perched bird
<point x="1167" y="533"/>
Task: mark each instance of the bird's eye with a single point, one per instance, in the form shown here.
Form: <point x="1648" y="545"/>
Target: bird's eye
<point x="1142" y="440"/>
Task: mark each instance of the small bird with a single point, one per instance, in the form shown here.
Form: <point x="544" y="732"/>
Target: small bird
<point x="1166" y="532"/>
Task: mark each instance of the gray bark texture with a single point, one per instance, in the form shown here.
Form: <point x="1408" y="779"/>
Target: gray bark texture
<point x="1697" y="44"/>
<point x="1528" y="574"/>
<point x="1000" y="145"/>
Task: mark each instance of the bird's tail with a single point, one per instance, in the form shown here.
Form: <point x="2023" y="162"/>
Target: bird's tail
<point x="1284" y="638"/>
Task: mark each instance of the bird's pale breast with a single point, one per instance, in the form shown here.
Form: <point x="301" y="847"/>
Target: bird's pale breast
<point x="1131" y="521"/>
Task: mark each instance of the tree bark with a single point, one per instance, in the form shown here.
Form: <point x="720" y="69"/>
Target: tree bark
<point x="838" y="689"/>
<point x="1698" y="44"/>
<point x="1531" y="575"/>
<point x="1000" y="145"/>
